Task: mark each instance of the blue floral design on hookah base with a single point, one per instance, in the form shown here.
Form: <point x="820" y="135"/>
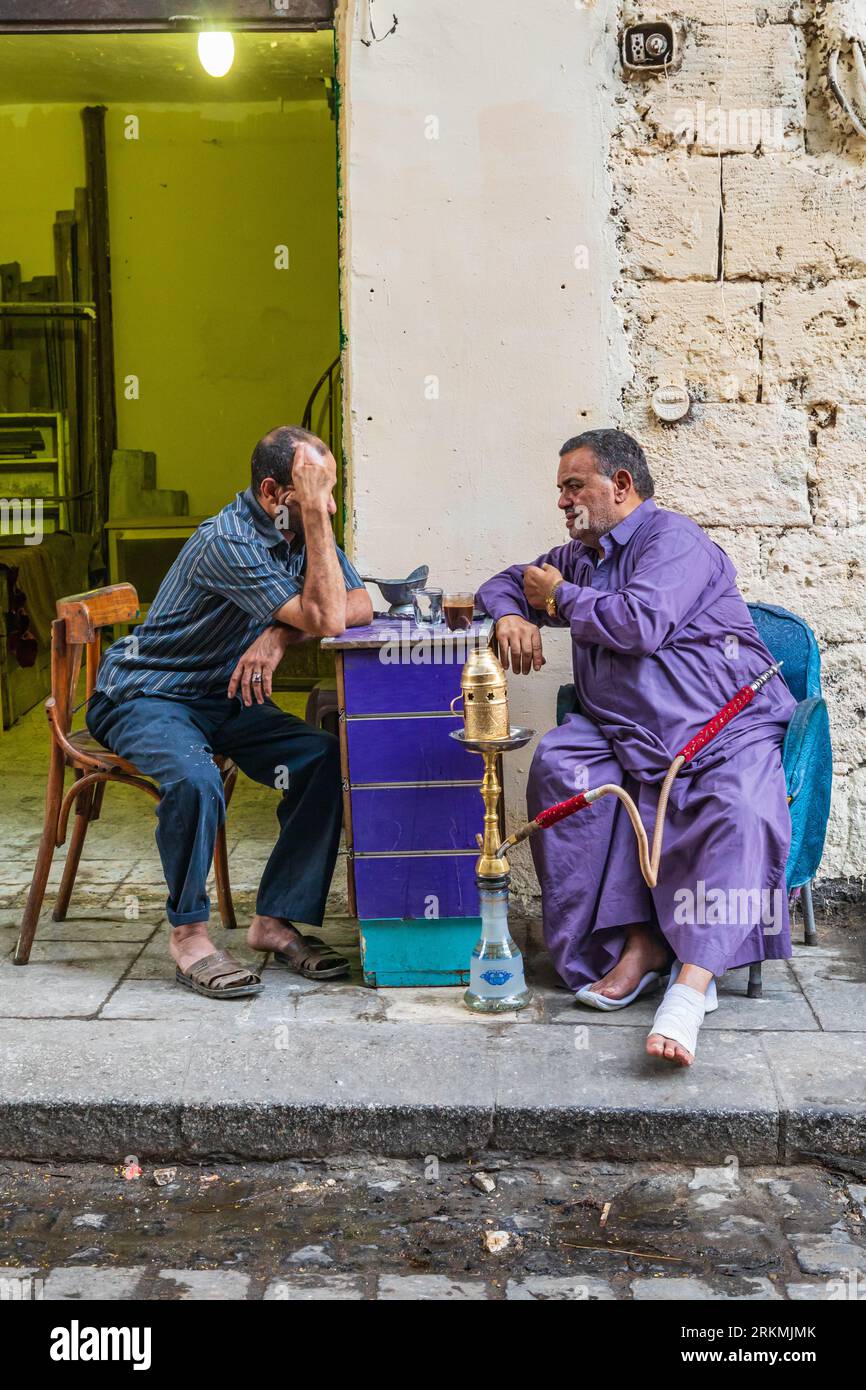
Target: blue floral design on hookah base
<point x="496" y="977"/>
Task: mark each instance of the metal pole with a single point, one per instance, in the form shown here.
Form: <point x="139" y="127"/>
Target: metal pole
<point x="44" y="308"/>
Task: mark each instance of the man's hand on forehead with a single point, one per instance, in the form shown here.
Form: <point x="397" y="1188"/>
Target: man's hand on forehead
<point x="314" y="475"/>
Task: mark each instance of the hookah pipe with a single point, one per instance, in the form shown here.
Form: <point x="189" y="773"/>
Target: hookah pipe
<point x="649" y="858"/>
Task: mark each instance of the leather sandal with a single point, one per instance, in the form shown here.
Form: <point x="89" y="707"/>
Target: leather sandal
<point x="302" y="958"/>
<point x="219" y="976"/>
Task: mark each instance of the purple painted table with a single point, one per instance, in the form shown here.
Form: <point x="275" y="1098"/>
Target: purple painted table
<point x="411" y="799"/>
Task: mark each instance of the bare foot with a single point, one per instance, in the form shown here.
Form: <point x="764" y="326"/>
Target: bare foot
<point x="271" y="934"/>
<point x="190" y="944"/>
<point x="643" y="952"/>
<point x="668" y="1050"/>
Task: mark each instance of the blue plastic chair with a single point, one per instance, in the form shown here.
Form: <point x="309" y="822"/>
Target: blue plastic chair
<point x="807" y="756"/>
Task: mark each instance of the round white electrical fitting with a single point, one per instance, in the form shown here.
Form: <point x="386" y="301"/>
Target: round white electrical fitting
<point x="671" y="403"/>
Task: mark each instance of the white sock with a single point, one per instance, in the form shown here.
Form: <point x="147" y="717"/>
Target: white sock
<point x="679" y="1016"/>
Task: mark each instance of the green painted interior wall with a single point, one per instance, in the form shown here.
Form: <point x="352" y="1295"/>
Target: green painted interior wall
<point x="224" y="344"/>
<point x="42" y="158"/>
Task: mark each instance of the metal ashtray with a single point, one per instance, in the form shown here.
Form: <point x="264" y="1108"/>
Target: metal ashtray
<point x="517" y="738"/>
<point x="398" y="592"/>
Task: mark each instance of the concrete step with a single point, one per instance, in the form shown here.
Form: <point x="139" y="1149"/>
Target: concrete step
<point x="185" y="1089"/>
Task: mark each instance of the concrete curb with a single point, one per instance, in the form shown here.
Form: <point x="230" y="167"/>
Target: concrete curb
<point x="70" y="1089"/>
<point x="110" y="1130"/>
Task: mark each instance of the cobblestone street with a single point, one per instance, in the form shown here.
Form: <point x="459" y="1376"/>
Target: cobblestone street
<point x="368" y="1229"/>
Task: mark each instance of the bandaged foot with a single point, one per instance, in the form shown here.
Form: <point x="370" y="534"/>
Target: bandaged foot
<point x="674" y="1034"/>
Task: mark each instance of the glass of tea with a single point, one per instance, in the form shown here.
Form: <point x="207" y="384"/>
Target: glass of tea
<point x="427" y="604"/>
<point x="458" y="609"/>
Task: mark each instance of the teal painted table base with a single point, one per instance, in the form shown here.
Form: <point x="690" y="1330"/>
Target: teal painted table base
<point x="399" y="952"/>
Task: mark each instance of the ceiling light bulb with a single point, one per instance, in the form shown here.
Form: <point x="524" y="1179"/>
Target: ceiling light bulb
<point x="216" y="52"/>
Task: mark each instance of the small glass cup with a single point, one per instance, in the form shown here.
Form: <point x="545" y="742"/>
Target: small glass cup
<point x="458" y="609"/>
<point x="427" y="604"/>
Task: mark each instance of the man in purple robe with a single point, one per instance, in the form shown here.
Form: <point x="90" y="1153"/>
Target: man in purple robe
<point x="661" y="640"/>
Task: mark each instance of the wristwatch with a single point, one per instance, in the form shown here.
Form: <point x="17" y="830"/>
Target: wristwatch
<point x="550" y="601"/>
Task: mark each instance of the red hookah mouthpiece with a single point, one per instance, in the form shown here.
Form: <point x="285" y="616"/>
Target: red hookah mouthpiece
<point x="742" y="698"/>
<point x="566" y="808"/>
<point x="561" y="810"/>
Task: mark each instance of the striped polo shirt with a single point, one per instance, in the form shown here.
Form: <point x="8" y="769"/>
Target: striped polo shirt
<point x="220" y="594"/>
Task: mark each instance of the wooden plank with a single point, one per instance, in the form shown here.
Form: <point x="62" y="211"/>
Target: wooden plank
<point x="400" y="885"/>
<point x="411" y="953"/>
<point x="83" y="511"/>
<point x="11" y="341"/>
<point x="14" y="379"/>
<point x="105" y="411"/>
<point x="347" y="795"/>
<point x="41" y="337"/>
<point x="10" y="293"/>
<point x="407" y="820"/>
<point x="84" y="613"/>
<point x="68" y="333"/>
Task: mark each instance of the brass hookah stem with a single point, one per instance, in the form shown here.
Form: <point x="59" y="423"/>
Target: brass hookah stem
<point x="491" y="862"/>
<point x="491" y="790"/>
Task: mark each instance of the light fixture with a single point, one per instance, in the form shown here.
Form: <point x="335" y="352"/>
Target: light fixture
<point x="216" y="52"/>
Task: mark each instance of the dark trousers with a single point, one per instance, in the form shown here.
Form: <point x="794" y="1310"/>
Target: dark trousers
<point x="173" y="741"/>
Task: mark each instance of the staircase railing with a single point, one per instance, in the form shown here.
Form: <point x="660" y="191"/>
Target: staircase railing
<point x="324" y="409"/>
<point x="323" y="416"/>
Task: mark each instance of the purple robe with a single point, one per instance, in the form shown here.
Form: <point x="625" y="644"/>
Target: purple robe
<point x="661" y="640"/>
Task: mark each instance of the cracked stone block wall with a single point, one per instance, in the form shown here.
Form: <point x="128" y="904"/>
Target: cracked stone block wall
<point x="739" y="199"/>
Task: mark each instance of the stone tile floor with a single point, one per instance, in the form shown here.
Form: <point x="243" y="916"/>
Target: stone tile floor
<point x="109" y="959"/>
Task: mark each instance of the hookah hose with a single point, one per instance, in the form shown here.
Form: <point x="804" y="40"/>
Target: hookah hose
<point x="649" y="857"/>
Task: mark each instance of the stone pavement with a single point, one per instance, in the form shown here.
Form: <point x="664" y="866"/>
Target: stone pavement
<point x="401" y="1229"/>
<point x="103" y="1054"/>
<point x="73" y="1283"/>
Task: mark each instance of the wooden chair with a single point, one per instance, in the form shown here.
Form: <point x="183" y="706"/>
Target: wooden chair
<point x="75" y="633"/>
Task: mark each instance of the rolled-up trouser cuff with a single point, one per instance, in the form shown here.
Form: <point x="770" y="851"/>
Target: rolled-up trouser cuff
<point x="184" y="919"/>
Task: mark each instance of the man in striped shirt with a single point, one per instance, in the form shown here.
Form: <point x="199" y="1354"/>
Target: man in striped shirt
<point x="194" y="680"/>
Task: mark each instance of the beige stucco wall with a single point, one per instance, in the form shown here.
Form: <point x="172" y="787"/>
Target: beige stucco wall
<point x="475" y="344"/>
<point x="460" y="266"/>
